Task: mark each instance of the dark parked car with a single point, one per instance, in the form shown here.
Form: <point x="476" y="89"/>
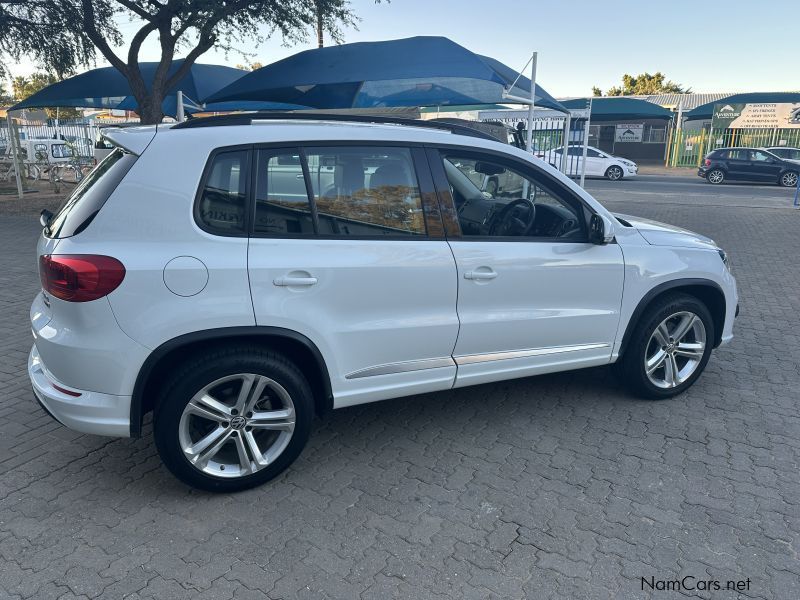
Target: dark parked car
<point x="786" y="153"/>
<point x="748" y="164"/>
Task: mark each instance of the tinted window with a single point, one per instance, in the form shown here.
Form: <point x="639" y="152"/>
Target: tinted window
<point x="508" y="203"/>
<point x="365" y="191"/>
<point x="89" y="196"/>
<point x="593" y="153"/>
<point x="760" y="156"/>
<point x="735" y="154"/>
<point x="224" y="194"/>
<point x="282" y="205"/>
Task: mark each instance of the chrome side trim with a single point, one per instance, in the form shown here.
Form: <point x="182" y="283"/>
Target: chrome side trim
<point x="403" y="367"/>
<point x="469" y="359"/>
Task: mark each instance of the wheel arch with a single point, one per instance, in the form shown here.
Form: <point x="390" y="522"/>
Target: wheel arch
<point x="296" y="346"/>
<point x="705" y="290"/>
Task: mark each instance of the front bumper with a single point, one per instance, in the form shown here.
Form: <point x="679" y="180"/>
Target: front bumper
<point x="87" y="412"/>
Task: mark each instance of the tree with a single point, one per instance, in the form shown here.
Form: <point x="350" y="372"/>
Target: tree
<point x="190" y="26"/>
<point x="250" y="66"/>
<point x="596" y="91"/>
<point x="645" y="84"/>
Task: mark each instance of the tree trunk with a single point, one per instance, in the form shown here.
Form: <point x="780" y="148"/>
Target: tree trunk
<point x="320" y="40"/>
<point x="150" y="112"/>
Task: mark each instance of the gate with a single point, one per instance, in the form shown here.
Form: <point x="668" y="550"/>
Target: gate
<point x="688" y="147"/>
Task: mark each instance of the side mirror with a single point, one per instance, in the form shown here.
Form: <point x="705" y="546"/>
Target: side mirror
<point x="45" y="217"/>
<point x="601" y="230"/>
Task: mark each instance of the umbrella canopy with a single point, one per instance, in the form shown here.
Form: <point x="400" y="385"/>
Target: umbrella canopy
<point x="108" y="88"/>
<point x="417" y="71"/>
<point x="617" y="108"/>
<point x="706" y="111"/>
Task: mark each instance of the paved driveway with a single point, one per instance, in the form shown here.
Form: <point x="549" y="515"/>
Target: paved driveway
<point x="552" y="487"/>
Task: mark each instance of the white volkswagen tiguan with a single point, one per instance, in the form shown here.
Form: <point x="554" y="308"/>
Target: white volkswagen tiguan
<point x="237" y="275"/>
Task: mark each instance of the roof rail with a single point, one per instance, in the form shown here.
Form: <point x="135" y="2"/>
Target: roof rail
<point x="247" y="118"/>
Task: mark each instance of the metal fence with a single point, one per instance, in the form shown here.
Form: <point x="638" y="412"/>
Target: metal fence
<point x="688" y="147"/>
<point x="80" y="134"/>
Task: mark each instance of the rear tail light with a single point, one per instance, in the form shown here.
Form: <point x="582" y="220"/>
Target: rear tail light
<point x="80" y="277"/>
<point x="708" y="162"/>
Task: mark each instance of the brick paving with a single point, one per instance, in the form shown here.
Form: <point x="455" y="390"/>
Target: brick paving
<point x="559" y="486"/>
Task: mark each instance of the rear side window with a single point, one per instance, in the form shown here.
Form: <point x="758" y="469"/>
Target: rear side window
<point x="282" y="206"/>
<point x="736" y="154"/>
<point x="223" y="197"/>
<point x="366" y="191"/>
<point x="90" y="195"/>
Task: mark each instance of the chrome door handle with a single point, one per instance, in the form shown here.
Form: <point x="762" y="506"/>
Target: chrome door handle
<point x="480" y="274"/>
<point x="294" y="281"/>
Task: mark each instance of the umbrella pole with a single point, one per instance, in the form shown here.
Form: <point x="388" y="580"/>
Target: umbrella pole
<point x="179" y="112"/>
<point x="529" y="141"/>
<point x="15" y="153"/>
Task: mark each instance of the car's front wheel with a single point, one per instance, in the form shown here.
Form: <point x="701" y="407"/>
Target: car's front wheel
<point x="614" y="173"/>
<point x="233" y="419"/>
<point x="789" y="179"/>
<point x="715" y="176"/>
<point x="669" y="348"/>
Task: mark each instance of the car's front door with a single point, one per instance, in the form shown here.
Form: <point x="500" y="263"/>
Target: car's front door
<point x="533" y="294"/>
<point x="596" y="163"/>
<point x="342" y="252"/>
<point x="763" y="166"/>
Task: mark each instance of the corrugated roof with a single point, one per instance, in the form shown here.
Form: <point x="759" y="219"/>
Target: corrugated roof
<point x="689" y="101"/>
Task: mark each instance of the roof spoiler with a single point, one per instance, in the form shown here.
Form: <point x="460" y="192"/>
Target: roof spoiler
<point x="133" y="139"/>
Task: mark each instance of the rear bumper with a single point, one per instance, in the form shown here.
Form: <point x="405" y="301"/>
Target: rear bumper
<point x="87" y="412"/>
<point x="701" y="172"/>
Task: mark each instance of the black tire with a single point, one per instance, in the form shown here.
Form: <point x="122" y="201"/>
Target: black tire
<point x="614" y="173"/>
<point x="788" y="179"/>
<point x="200" y="371"/>
<point x="631" y="365"/>
<point x="717" y="178"/>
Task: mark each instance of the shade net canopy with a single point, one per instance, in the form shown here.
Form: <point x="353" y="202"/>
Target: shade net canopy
<point x="619" y="108"/>
<point x="108" y="88"/>
<point x="417" y="71"/>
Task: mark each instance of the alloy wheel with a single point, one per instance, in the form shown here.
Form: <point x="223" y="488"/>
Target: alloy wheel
<point x="614" y="173"/>
<point x="789" y="179"/>
<point x="716" y="176"/>
<point x="236" y="425"/>
<point x="675" y="349"/>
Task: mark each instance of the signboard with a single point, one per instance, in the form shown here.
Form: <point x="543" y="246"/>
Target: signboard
<point x="628" y="132"/>
<point x="770" y="115"/>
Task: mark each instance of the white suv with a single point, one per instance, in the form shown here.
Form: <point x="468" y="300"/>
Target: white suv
<point x="237" y="275"/>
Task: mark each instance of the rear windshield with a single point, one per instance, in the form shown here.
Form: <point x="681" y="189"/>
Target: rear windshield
<point x="88" y="198"/>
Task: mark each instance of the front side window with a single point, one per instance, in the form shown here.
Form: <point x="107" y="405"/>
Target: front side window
<point x="362" y="191"/>
<point x="224" y="195"/>
<point x="508" y="203"/>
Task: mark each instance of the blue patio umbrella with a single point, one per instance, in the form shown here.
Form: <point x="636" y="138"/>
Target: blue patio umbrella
<point x="108" y="88"/>
<point x="417" y="71"/>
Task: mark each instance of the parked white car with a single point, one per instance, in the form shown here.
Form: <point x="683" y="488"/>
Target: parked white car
<point x="598" y="163"/>
<point x="292" y="266"/>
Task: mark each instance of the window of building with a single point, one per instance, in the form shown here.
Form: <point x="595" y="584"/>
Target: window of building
<point x="361" y="191"/>
<point x="654" y="134"/>
<point x="224" y="194"/>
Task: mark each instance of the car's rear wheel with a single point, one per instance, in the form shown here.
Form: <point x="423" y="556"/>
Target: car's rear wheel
<point x="669" y="348"/>
<point x="614" y="173"/>
<point x="789" y="179"/>
<point x="715" y="176"/>
<point x="233" y="419"/>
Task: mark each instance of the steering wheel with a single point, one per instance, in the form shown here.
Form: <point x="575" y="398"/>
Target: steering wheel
<point x="516" y="218"/>
<point x="568" y="227"/>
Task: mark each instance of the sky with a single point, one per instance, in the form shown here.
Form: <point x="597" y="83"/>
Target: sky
<point x="729" y="46"/>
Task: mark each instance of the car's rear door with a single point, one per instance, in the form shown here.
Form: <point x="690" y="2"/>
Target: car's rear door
<point x="543" y="300"/>
<point x="347" y="249"/>
<point x="736" y="162"/>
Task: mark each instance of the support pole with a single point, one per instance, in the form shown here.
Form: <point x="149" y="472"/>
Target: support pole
<point x="14" y="139"/>
<point x="179" y="113"/>
<point x="565" y="151"/>
<point x="529" y="140"/>
<point x="586" y="141"/>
